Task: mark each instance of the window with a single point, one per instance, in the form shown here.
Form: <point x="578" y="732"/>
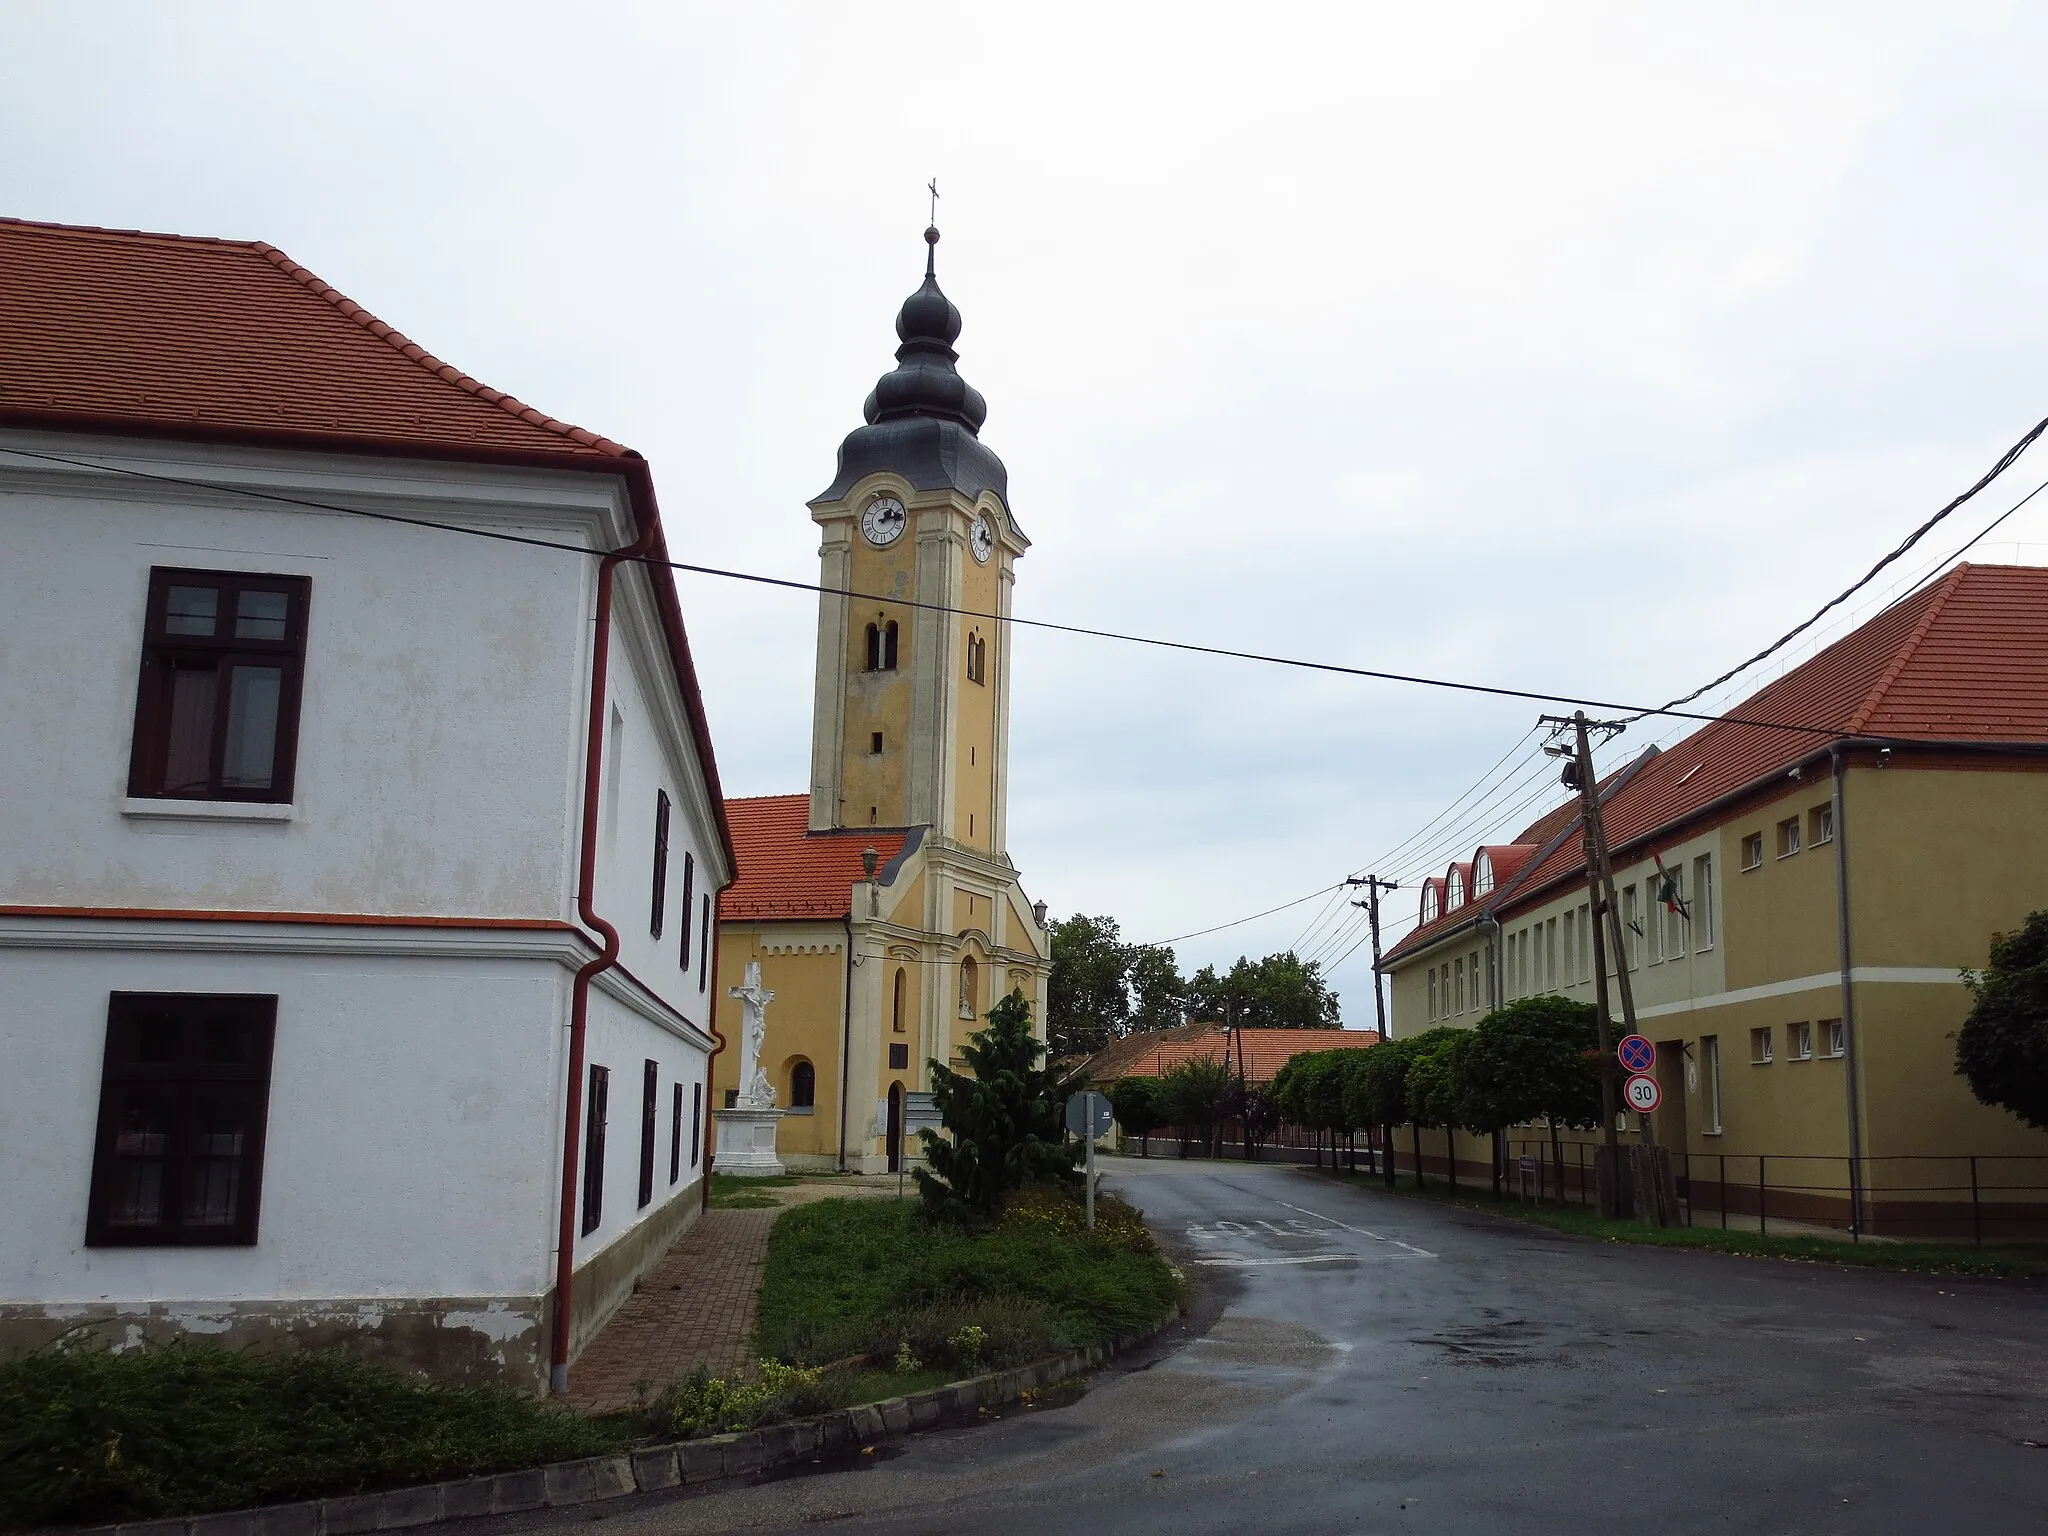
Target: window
<point x="1472" y="970"/>
<point x="1430" y="904"/>
<point x="1703" y="902"/>
<point x="696" y="1120"/>
<point x="1585" y="941"/>
<point x="1571" y="946"/>
<point x="1834" y="1039"/>
<point x="896" y="1004"/>
<point x="1760" y="1046"/>
<point x="1482" y="873"/>
<point x="1458" y="984"/>
<point x="1550" y="955"/>
<point x="1788" y="837"/>
<point x="1820" y="825"/>
<point x="1491" y="1000"/>
<point x="1454" y="889"/>
<point x="875" y="744"/>
<point x="593" y="1148"/>
<point x="1632" y="926"/>
<point x="704" y="944"/>
<point x="803" y="1086"/>
<point x="977" y="659"/>
<point x="184" y="1096"/>
<point x="1653" y="920"/>
<point x="1432" y="994"/>
<point x="675" y="1135"/>
<point x="1710" y="1050"/>
<point x="217" y="709"/>
<point x="650" y="1101"/>
<point x="1753" y="851"/>
<point x="689" y="886"/>
<point x="968" y="992"/>
<point x="899" y="1058"/>
<point x="889" y="646"/>
<point x="1799" y="1042"/>
<point x="660" y="863"/>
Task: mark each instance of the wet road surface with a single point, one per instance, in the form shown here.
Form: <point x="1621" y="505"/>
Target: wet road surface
<point x="1366" y="1362"/>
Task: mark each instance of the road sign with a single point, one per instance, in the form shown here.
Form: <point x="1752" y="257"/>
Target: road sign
<point x="1636" y="1053"/>
<point x="1643" y="1094"/>
<point x="1089" y="1115"/>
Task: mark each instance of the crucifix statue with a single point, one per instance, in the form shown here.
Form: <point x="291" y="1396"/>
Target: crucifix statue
<point x="756" y="1092"/>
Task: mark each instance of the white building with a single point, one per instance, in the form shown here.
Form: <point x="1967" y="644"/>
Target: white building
<point x="312" y="844"/>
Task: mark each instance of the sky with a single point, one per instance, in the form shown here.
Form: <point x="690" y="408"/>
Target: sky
<point x="1581" y="349"/>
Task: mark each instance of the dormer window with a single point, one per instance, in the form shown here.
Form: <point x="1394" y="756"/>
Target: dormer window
<point x="1454" y="889"/>
<point x="1482" y="874"/>
<point x="1430" y="906"/>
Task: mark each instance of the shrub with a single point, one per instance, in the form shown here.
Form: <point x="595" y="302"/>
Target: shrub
<point x="711" y="1405"/>
<point x="2002" y="1048"/>
<point x="1004" y="1120"/>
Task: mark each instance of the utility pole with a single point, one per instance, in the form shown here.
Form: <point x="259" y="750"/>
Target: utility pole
<point x="1373" y="886"/>
<point x="1601" y="898"/>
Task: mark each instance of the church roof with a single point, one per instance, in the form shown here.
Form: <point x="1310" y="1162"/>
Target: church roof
<point x="789" y="873"/>
<point x="923" y="419"/>
<point x="122" y="331"/>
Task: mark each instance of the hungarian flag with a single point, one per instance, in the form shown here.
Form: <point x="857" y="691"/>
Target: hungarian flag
<point x="1668" y="891"/>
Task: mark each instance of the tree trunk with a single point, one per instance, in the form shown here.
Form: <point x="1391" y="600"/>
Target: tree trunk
<point x="1556" y="1158"/>
<point x="1451" y="1147"/>
<point x="1387" y="1150"/>
<point x="1416" y="1127"/>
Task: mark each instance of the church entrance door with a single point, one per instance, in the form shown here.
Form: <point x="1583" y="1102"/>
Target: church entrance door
<point x="895" y="1127"/>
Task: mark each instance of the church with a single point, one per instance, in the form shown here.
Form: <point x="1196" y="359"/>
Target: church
<point x="882" y="907"/>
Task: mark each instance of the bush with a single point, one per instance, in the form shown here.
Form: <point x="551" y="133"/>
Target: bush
<point x="1004" y="1121"/>
<point x="89" y="1436"/>
<point x="711" y="1405"/>
<point x="2002" y="1048"/>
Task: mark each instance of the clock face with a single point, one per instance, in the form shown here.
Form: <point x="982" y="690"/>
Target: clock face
<point x="884" y="521"/>
<point x="981" y="539"/>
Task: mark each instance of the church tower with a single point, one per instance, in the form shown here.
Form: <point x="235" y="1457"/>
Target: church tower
<point x="911" y="720"/>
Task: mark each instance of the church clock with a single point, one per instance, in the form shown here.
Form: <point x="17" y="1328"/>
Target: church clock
<point x="981" y="539"/>
<point x="883" y="522"/>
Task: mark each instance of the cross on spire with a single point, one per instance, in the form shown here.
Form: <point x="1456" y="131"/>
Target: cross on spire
<point x="933" y="187"/>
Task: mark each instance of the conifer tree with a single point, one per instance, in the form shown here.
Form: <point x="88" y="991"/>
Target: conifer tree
<point x="1004" y="1124"/>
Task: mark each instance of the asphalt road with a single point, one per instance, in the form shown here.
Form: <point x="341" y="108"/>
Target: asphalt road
<point x="1372" y="1363"/>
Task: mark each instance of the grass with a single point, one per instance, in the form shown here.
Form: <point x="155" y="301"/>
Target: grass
<point x="863" y="1277"/>
<point x="734" y="1192"/>
<point x="2016" y="1260"/>
<point x="88" y="1436"/>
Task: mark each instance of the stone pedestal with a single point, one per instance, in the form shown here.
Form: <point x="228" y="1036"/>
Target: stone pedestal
<point x="746" y="1142"/>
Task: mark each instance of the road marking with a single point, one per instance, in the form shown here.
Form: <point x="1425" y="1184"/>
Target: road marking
<point x="1361" y="1231"/>
<point x="1313" y="1258"/>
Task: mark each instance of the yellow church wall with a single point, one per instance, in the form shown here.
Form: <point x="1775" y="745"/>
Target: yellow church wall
<point x="974" y="745"/>
<point x="874" y="784"/>
<point x="804" y="965"/>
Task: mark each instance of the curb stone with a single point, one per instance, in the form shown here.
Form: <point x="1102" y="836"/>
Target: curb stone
<point x="651" y="1469"/>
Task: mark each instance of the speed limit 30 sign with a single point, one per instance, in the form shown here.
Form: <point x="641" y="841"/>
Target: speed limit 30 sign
<point x="1642" y="1093"/>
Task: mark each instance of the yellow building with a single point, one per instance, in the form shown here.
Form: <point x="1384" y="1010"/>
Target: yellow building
<point x="1835" y="879"/>
<point x="882" y="906"/>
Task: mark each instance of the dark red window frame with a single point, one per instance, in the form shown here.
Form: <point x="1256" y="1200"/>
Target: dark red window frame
<point x="675" y="1136"/>
<point x="237" y="640"/>
<point x="597" y="1111"/>
<point x="650" y="1112"/>
<point x="184" y="1101"/>
<point x="696" y="1121"/>
<point x="689" y="887"/>
<point x="660" y="900"/>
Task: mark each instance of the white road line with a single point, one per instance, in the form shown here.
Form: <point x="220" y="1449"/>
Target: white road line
<point x="1361" y="1231"/>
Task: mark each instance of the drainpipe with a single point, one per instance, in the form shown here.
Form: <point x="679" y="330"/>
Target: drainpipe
<point x="607" y="956"/>
<point x="1839" y="811"/>
<point x="711" y="1061"/>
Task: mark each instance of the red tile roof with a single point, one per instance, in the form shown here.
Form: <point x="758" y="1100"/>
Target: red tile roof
<point x="1265" y="1051"/>
<point x="1962" y="660"/>
<point x="789" y="873"/>
<point x="122" y="331"/>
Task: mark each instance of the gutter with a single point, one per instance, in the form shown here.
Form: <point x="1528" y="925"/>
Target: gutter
<point x="608" y="954"/>
<point x="711" y="1061"/>
<point x="1849" y="1074"/>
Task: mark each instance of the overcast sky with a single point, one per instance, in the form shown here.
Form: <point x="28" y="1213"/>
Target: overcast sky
<point x="1573" y="348"/>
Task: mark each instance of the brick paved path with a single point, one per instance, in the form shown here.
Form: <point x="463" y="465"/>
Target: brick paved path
<point x="695" y="1308"/>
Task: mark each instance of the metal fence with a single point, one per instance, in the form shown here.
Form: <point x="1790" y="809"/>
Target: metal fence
<point x="1983" y="1199"/>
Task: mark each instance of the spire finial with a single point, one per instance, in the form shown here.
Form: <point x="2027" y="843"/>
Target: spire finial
<point x="931" y="232"/>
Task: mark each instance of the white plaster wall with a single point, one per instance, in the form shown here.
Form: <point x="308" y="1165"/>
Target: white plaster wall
<point x="622" y="1039"/>
<point x="440" y="745"/>
<point x="654" y="752"/>
<point x="413" y="1135"/>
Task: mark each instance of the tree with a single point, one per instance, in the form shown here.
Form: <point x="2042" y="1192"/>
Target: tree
<point x="1087" y="997"/>
<point x="1159" y="997"/>
<point x="1536" y="1059"/>
<point x="2002" y="1048"/>
<point x="1377" y="1091"/>
<point x="1193" y="1098"/>
<point x="1432" y="1088"/>
<point x="1004" y="1121"/>
<point x="1136" y="1103"/>
<point x="1279" y="992"/>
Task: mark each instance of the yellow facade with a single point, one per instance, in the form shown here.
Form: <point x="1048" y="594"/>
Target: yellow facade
<point x="1746" y="1002"/>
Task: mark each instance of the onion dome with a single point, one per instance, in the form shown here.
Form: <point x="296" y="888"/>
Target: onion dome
<point x="923" y="419"/>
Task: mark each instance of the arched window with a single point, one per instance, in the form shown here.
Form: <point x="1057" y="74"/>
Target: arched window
<point x="1429" y="901"/>
<point x="889" y="646"/>
<point x="896" y="1008"/>
<point x="968" y="992"/>
<point x="874" y="648"/>
<point x="1482" y="874"/>
<point x="977" y="659"/>
<point x="803" y="1086"/>
<point x="1454" y="888"/>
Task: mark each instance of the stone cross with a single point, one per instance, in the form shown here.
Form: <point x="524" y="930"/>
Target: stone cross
<point x="756" y="1092"/>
